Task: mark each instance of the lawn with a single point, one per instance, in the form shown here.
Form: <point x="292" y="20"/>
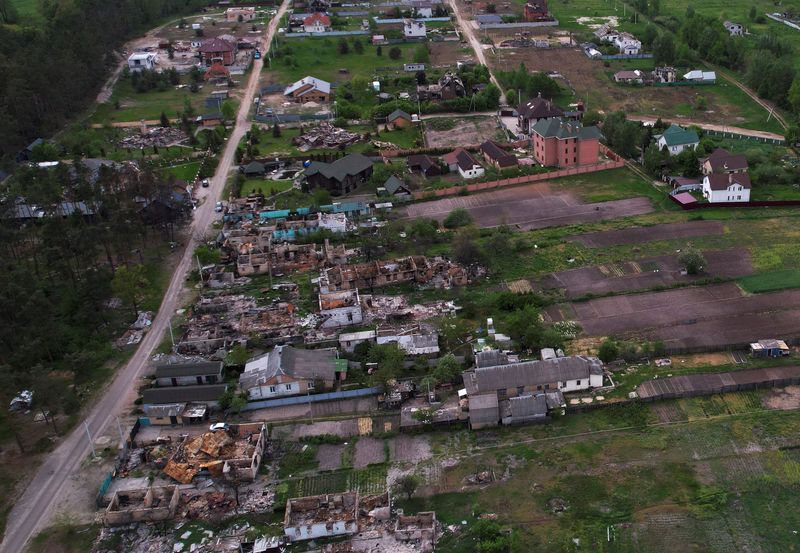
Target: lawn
<point x="320" y="58"/>
<point x="613" y="184"/>
<point x="186" y="171"/>
<point x="265" y="186"/>
<point x="135" y="106"/>
<point x="769" y="282"/>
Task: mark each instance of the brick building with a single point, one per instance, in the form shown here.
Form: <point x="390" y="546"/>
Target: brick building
<point x="560" y="143"/>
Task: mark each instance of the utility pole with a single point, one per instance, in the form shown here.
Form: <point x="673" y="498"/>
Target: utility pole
<point x="91" y="442"/>
<point x="121" y="435"/>
<point x="171" y="335"/>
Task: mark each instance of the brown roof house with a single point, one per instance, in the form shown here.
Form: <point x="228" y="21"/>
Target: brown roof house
<point x="289" y="371"/>
<point x="398" y="119"/>
<point x="535" y="109"/>
<point x="424" y="165"/>
<point x="342" y="176"/>
<point x="217" y="72"/>
<point x="308" y="89"/>
<point x="721" y="161"/>
<point x="217" y="49"/>
<point x="317" y="23"/>
<point x="497" y="156"/>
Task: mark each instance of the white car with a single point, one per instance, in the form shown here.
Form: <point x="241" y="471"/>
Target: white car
<point x="206" y="183"/>
<point x="219" y="426"/>
<point x="218" y="207"/>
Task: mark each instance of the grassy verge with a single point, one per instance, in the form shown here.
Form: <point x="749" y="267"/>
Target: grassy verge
<point x="770" y="282"/>
<point x="266" y="187"/>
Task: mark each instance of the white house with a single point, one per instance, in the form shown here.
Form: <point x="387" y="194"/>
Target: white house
<point x="699" y="76"/>
<point x="730" y="187"/>
<point x="677" y="139"/>
<point x="339" y="309"/>
<point x="628" y="44"/>
<point x="468" y="166"/>
<point x="321" y="516"/>
<point x="139" y="61"/>
<point x="734" y="29"/>
<point x="349" y="340"/>
<point x="422" y="8"/>
<point x="288" y="371"/>
<point x="414" y="29"/>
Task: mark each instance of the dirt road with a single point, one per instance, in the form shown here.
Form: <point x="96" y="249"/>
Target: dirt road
<point x="33" y="509"/>
<point x="477" y="47"/>
<point x="709" y="126"/>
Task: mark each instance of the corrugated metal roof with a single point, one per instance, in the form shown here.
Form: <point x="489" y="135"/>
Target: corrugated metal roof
<point x="190" y="368"/>
<point x="530" y="373"/>
<point x="715" y="383"/>
<point x="183" y="394"/>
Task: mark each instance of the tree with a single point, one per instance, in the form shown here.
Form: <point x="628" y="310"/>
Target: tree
<point x="491" y="8"/>
<point x="395" y="53"/>
<point x="609" y="351"/>
<point x="276" y="130"/>
<point x="753" y="13"/>
<point x="689" y="11"/>
<point x="653" y="159"/>
<point x="664" y="49"/>
<point x="692" y="260"/>
<point x="343" y="47"/>
<point x="358" y="46"/>
<point x="164" y="120"/>
<point x="406" y="485"/>
<point x="228" y="110"/>
<point x="129" y="284"/>
<point x="237" y="357"/>
<point x="459" y="217"/>
<point x="466" y="250"/>
<point x="448" y="369"/>
<point x="378" y="51"/>
<point x="237" y="404"/>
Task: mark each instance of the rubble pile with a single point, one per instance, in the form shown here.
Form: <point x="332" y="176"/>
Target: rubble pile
<point x="157" y="136"/>
<point x="325" y="136"/>
<point x="202" y="505"/>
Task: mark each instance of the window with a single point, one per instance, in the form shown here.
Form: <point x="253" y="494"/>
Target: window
<point x="310" y="385"/>
<point x="273" y="389"/>
<point x="578" y="383"/>
<point x="738" y="197"/>
<point x="502" y="394"/>
<point x="520" y="390"/>
<point x="539" y="387"/>
<point x="212" y="379"/>
<point x="547" y="386"/>
<point x="288" y="387"/>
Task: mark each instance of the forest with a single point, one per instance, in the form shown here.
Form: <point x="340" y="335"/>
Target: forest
<point x="52" y="66"/>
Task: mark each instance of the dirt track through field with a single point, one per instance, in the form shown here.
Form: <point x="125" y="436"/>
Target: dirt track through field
<point x="718" y="315"/>
<point x="640" y="235"/>
<point x="528" y="208"/>
<point x="645" y="274"/>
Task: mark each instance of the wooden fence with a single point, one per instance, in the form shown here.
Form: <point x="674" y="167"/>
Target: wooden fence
<point x="762" y="203"/>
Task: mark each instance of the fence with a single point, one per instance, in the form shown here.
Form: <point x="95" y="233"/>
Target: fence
<point x="762" y="203"/>
<point x="519" y="25"/>
<point x="395" y="21"/>
<point x="624" y="56"/>
<point x="583" y="169"/>
<point x="737" y="136"/>
<point x="686" y="83"/>
<point x="122" y="457"/>
<point x="329" y="33"/>
<point x="315" y="398"/>
<point x="292" y="118"/>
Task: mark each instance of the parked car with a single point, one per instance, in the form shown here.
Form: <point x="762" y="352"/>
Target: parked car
<point x="206" y="183"/>
<point x="218" y="208"/>
<point x="219" y="426"/>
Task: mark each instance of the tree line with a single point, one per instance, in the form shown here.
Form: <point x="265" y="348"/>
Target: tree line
<point x="51" y="67"/>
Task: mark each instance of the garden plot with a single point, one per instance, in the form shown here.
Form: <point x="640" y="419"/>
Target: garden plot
<point x="409" y="449"/>
<point x="714" y="316"/>
<point x="641" y="235"/>
<point x="369" y="451"/>
<point x="528" y="207"/>
<point x="330" y="456"/>
<point x="645" y="274"/>
<point x="369" y="481"/>
<point x="452" y="132"/>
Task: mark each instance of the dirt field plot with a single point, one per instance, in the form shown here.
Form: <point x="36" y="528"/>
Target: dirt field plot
<point x="645" y="274"/>
<point x="703" y="317"/>
<point x="369" y="451"/>
<point x="640" y="235"/>
<point x="448" y="53"/>
<point x="330" y="456"/>
<point x="461" y="131"/>
<point x="528" y="207"/>
<point x="409" y="449"/>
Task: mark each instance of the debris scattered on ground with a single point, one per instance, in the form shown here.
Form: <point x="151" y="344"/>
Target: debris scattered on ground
<point x="156" y="136"/>
<point x="325" y="135"/>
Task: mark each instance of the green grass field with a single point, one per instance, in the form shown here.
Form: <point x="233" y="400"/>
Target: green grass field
<point x="320" y="58"/>
<point x="185" y="171"/>
<point x="265" y="187"/>
<point x="135" y="106"/>
<point x="769" y="282"/>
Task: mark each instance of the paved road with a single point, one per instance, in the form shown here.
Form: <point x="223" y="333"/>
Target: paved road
<point x="709" y="126"/>
<point x="31" y="512"/>
<point x="476" y="45"/>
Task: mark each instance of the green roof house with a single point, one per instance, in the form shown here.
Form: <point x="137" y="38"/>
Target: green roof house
<point x="676" y="139"/>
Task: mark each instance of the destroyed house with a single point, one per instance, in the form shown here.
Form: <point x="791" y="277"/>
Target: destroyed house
<point x="375" y="274"/>
<point x="413" y="342"/>
<point x="287" y="371"/>
<point x="419" y="527"/>
<point x="342" y="308"/>
<point x="232" y="454"/>
<point x="209" y="394"/>
<point x="342" y="176"/>
<point x="189" y="373"/>
<point x="448" y="87"/>
<point x="152" y="504"/>
<point x="321" y="516"/>
<point x="769" y="348"/>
